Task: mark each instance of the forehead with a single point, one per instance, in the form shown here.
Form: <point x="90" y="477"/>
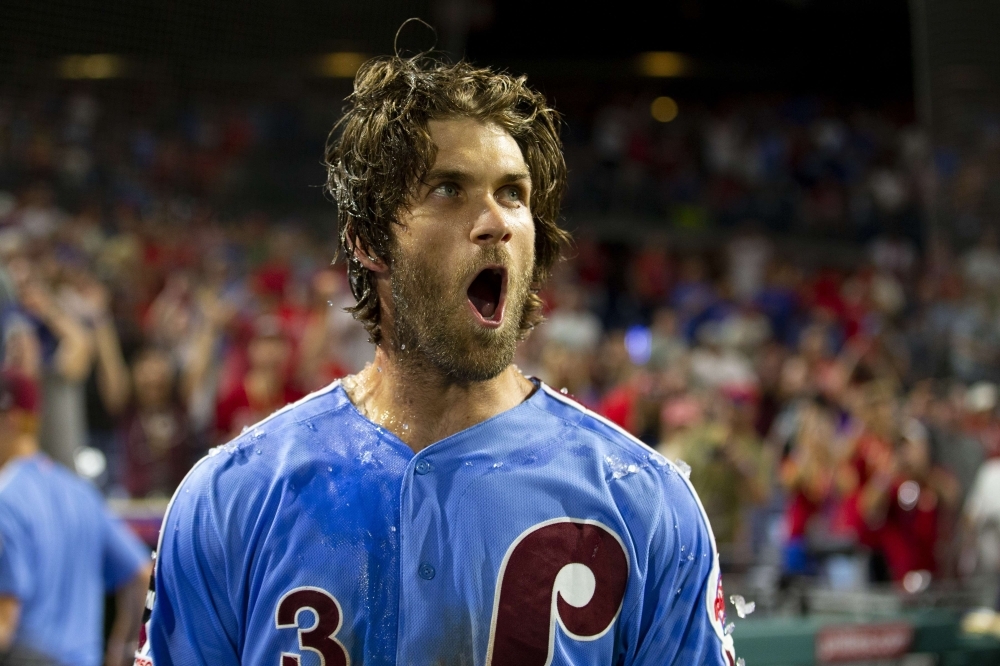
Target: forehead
<point x="470" y="145"/>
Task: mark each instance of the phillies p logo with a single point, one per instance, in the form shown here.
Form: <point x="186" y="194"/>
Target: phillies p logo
<point x="564" y="571"/>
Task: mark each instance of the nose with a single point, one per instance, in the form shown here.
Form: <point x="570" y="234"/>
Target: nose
<point x="491" y="225"/>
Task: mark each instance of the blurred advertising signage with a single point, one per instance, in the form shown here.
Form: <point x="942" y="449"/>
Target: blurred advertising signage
<point x="858" y="642"/>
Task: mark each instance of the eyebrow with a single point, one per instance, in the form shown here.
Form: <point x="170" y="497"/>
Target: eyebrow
<point x="460" y="176"/>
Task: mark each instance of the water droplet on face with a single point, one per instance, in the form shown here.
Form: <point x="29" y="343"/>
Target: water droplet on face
<point x="379" y="368"/>
<point x="402" y="347"/>
<point x="406" y="427"/>
<point x="330" y="303"/>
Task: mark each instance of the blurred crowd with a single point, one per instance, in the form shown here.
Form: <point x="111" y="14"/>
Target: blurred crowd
<point x="821" y="412"/>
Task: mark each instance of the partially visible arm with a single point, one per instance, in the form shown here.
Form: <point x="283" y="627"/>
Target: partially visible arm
<point x="680" y="617"/>
<point x="10" y="613"/>
<point x="112" y="373"/>
<point x="74" y="353"/>
<point x="130" y="600"/>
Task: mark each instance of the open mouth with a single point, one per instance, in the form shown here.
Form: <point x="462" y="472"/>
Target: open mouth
<point x="487" y="294"/>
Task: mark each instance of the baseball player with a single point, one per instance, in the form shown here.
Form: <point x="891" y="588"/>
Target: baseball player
<point x="439" y="507"/>
<point x="60" y="552"/>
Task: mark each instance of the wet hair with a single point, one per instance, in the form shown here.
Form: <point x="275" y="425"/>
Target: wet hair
<point x="380" y="150"/>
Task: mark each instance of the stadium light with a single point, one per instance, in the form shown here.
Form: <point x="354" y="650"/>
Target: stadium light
<point x="663" y="109"/>
<point x="97" y="66"/>
<point x="663" y="64"/>
<point x="341" y="65"/>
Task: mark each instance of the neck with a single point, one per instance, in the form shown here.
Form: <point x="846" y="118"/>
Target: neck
<point x="20" y="446"/>
<point x="422" y="406"/>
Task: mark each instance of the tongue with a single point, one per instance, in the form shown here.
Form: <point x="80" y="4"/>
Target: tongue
<point x="483" y="296"/>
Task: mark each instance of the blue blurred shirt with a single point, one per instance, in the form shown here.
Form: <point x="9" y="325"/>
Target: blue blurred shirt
<point x="60" y="552"/>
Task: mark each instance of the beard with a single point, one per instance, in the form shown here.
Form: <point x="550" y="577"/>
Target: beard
<point x="432" y="324"/>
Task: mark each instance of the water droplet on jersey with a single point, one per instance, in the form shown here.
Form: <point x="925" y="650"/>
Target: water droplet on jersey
<point x="258" y="452"/>
<point x="366" y="457"/>
<point x="657" y="460"/>
<point x="691" y="557"/>
<point x="564" y="390"/>
<point x="214" y="451"/>
<point x="311" y="425"/>
<point x="329" y="469"/>
<point x="245" y="428"/>
<point x="498" y="465"/>
<point x="729" y="628"/>
<point x="620" y="469"/>
<point x="743" y="607"/>
<point x="678" y="590"/>
<point x="684" y="469"/>
<point x="683" y="548"/>
<point x="392" y="528"/>
<point x="258" y="433"/>
<point x="468" y="463"/>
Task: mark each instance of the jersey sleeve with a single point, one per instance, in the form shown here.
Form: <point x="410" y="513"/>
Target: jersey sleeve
<point x="680" y="618"/>
<point x="192" y="622"/>
<point x="16" y="573"/>
<point x="124" y="554"/>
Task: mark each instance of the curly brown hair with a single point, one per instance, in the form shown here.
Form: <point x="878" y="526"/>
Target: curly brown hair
<point x="381" y="149"/>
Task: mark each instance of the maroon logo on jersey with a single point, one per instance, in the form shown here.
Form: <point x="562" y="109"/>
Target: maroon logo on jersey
<point x="565" y="571"/>
<point x="319" y="637"/>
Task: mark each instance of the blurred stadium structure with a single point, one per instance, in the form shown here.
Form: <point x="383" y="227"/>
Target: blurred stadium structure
<point x="786" y="211"/>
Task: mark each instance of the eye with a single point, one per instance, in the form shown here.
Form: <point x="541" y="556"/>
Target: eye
<point x="446" y="190"/>
<point x="511" y="193"/>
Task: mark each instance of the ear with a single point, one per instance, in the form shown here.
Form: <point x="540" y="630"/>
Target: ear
<point x="373" y="264"/>
<point x="359" y="255"/>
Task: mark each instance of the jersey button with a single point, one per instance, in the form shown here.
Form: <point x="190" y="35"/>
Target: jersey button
<point x="426" y="571"/>
<point x="422" y="467"/>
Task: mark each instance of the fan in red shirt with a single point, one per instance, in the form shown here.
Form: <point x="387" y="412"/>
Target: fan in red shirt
<point x="267" y="384"/>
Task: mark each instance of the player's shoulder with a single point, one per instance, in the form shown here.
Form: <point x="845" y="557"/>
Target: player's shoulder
<point x="321" y="435"/>
<point x="624" y="457"/>
<point x="603" y="435"/>
<point x="264" y="448"/>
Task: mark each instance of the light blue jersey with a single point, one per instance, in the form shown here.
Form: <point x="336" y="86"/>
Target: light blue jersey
<point x="544" y="535"/>
<point x="61" y="551"/>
